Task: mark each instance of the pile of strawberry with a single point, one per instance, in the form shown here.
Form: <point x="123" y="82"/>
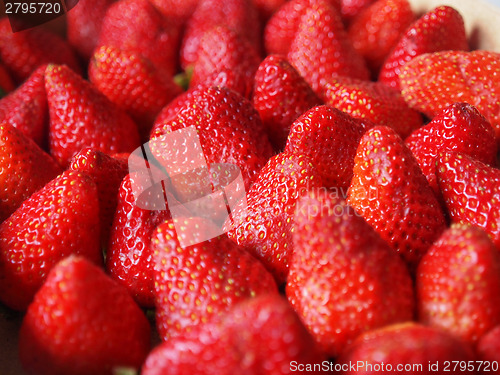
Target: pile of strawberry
<point x="366" y="136"/>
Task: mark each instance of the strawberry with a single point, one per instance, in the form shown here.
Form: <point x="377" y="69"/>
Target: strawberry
<point x="460" y="128"/>
<point x="24" y="51"/>
<point x="26" y="107"/>
<point x="60" y="219"/>
<point x="25" y="168"/>
<point x="133" y="83"/>
<point x="260" y="335"/>
<point x="470" y="77"/>
<point x="129" y="257"/>
<point x="344" y="278"/>
<point x="488" y="347"/>
<point x="107" y="172"/>
<point x="321" y="48"/>
<point x="222" y="50"/>
<point x="390" y="191"/>
<point x="458" y="281"/>
<point x="137" y="26"/>
<point x="239" y="15"/>
<point x="265" y="227"/>
<point x="80" y="116"/>
<point x="280" y="96"/>
<point x="180" y="10"/>
<point x="440" y="29"/>
<point x="349" y="9"/>
<point x="196" y="283"/>
<point x="405" y="348"/>
<point x="471" y="192"/>
<point x="377" y="29"/>
<point x="329" y="138"/>
<point x="84" y="25"/>
<point x="372" y="100"/>
<point x="6" y="83"/>
<point x="82" y="322"/>
<point x="228" y="126"/>
<point x="281" y="28"/>
<point x="267" y="8"/>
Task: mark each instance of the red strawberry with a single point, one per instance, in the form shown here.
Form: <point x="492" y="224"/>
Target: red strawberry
<point x="373" y="101"/>
<point x="321" y="48"/>
<point x="488" y="347"/>
<point x="133" y="83"/>
<point x="458" y="281"/>
<point x="329" y="138"/>
<point x="390" y="191"/>
<point x="179" y="10"/>
<point x="82" y="322"/>
<point x="470" y="77"/>
<point x="60" y="219"/>
<point x="24" y="51"/>
<point x="281" y="28"/>
<point x="267" y="8"/>
<point x="405" y="348"/>
<point x="193" y="284"/>
<point x="129" y="257"/>
<point x="471" y="191"/>
<point x="344" y="279"/>
<point x="460" y="128"/>
<point x="25" y="168"/>
<point x="265" y="227"/>
<point x="239" y="15"/>
<point x="137" y="26"/>
<point x="260" y="335"/>
<point x="107" y="173"/>
<point x="84" y="25"/>
<point x="349" y="9"/>
<point x="280" y="96"/>
<point x="377" y="29"/>
<point x="6" y="83"/>
<point x="26" y="107"/>
<point x="80" y="116"/>
<point x="438" y="30"/>
<point x="228" y="126"/>
<point x="222" y="50"/>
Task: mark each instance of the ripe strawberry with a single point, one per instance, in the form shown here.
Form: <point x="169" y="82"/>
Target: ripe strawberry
<point x="440" y="29"/>
<point x="373" y="101"/>
<point x="133" y="83"/>
<point x="458" y="281"/>
<point x="25" y="168"/>
<point x="265" y="227"/>
<point x="201" y="281"/>
<point x="24" y="51"/>
<point x="349" y="9"/>
<point x="488" y="347"/>
<point x="377" y="29"/>
<point x="344" y="278"/>
<point x="80" y="116"/>
<point x="405" y="348"/>
<point x="321" y="48"/>
<point x="390" y="191"/>
<point x="6" y="83"/>
<point x="471" y="192"/>
<point x="129" y="257"/>
<point x="281" y="95"/>
<point x="260" y="335"/>
<point x="107" y="172"/>
<point x="228" y="126"/>
<point x="460" y="128"/>
<point x="82" y="322"/>
<point x="26" y="108"/>
<point x="222" y="50"/>
<point x="281" y="28"/>
<point x="179" y="10"/>
<point x="470" y="77"/>
<point x="329" y="138"/>
<point x="58" y="220"/>
<point x="137" y="26"/>
<point x="239" y="15"/>
<point x="84" y="25"/>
